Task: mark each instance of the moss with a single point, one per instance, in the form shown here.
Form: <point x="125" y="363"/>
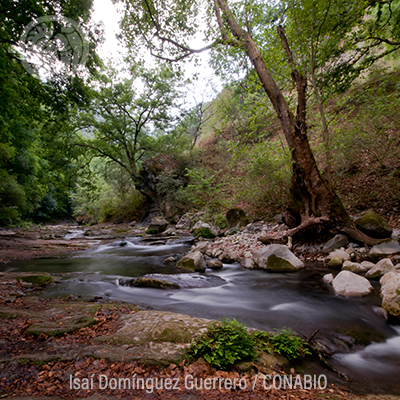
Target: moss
<point x="275" y="263"/>
<point x="59" y="327"/>
<point x="151" y="231"/>
<point x="204" y="232"/>
<point x="364" y="336"/>
<point x="155" y="283"/>
<point x="37" y="280"/>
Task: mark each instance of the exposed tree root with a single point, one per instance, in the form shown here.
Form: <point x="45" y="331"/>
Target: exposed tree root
<point x="317" y="225"/>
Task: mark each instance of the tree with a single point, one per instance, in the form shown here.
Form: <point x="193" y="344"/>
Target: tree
<point x="163" y="32"/>
<point x="122" y="122"/>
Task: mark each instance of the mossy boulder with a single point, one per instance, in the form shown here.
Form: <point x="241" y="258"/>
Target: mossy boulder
<point x="277" y="257"/>
<point x="157" y="225"/>
<point x="373" y="225"/>
<point x="37" y="279"/>
<point x="193" y="261"/>
<point x="60" y="326"/>
<point x="236" y="217"/>
<point x="154" y="283"/>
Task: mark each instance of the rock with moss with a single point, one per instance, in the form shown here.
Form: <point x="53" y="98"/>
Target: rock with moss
<point x="235" y="218"/>
<point x="381" y="268"/>
<point x="373" y="225"/>
<point x="36" y="278"/>
<point x="353" y="267"/>
<point x="277" y="257"/>
<point x="347" y="283"/>
<point x="390" y="292"/>
<point x="157" y="225"/>
<point x="204" y="230"/>
<point x="340" y="254"/>
<point x="154" y="283"/>
<point x="193" y="261"/>
<point x="336" y="262"/>
<point x="60" y="326"/>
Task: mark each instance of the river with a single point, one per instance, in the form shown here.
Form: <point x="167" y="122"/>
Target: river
<point x="258" y="299"/>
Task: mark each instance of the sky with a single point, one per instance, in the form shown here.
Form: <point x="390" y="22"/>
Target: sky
<point x="105" y="11"/>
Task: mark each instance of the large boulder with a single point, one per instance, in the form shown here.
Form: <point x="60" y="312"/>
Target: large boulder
<point x="193" y="261"/>
<point x="348" y="283"/>
<point x="277" y="257"/>
<point x="373" y="225"/>
<point x="385" y="249"/>
<point x="390" y="292"/>
<point x="335" y="243"/>
<point x="157" y="225"/>
<point x="383" y="267"/>
<point x="235" y="217"/>
<point x="185" y="222"/>
<point x="202" y="229"/>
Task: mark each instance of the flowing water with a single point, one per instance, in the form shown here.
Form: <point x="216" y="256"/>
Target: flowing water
<point x="257" y="298"/>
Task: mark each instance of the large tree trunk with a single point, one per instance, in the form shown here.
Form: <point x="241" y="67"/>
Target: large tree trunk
<point x="310" y="193"/>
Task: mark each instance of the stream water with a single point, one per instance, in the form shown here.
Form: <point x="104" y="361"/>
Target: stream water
<point x="257" y="298"/>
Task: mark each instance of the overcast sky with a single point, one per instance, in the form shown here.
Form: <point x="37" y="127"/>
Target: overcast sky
<point x="105" y="11"/>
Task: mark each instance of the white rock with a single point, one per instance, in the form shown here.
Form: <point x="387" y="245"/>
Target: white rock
<point x="385" y="249"/>
<point x="353" y="267"/>
<point x="247" y="263"/>
<point x="327" y="279"/>
<point x="348" y="283"/>
<point x="383" y="267"/>
<point x="340" y="254"/>
<point x="367" y="265"/>
<point x="390" y="292"/>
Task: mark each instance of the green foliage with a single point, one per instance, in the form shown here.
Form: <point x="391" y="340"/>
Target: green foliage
<point x="219" y="220"/>
<point x="228" y="342"/>
<point x="286" y="343"/>
<point x="204" y="190"/>
<point x="223" y="344"/>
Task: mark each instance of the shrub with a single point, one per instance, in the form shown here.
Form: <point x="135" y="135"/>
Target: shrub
<point x="285" y="342"/>
<point x="223" y="344"/>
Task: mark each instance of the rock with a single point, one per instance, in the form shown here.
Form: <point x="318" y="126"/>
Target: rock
<point x="214" y="264"/>
<point x="247" y="263"/>
<point x="169" y="260"/>
<point x="353" y="267"/>
<point x="367" y="265"/>
<point x="327" y="279"/>
<point x="336" y="262"/>
<point x="339" y="253"/>
<point x="228" y="257"/>
<point x="157" y="225"/>
<point x="156" y="336"/>
<point x="185" y="222"/>
<point x="201" y="229"/>
<point x="335" y="243"/>
<point x="390" y="292"/>
<point x="60" y="326"/>
<point x="154" y="283"/>
<point x="383" y="267"/>
<point x="381" y="312"/>
<point x="235" y="218"/>
<point x="277" y="257"/>
<point x="385" y="249"/>
<point x="373" y="225"/>
<point x="36" y="278"/>
<point x="348" y="283"/>
<point x="201" y="246"/>
<point x="193" y="261"/>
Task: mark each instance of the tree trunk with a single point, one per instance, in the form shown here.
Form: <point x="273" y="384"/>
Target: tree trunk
<point x="310" y="193"/>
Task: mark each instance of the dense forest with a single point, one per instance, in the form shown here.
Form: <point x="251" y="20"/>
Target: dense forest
<point x="307" y="120"/>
